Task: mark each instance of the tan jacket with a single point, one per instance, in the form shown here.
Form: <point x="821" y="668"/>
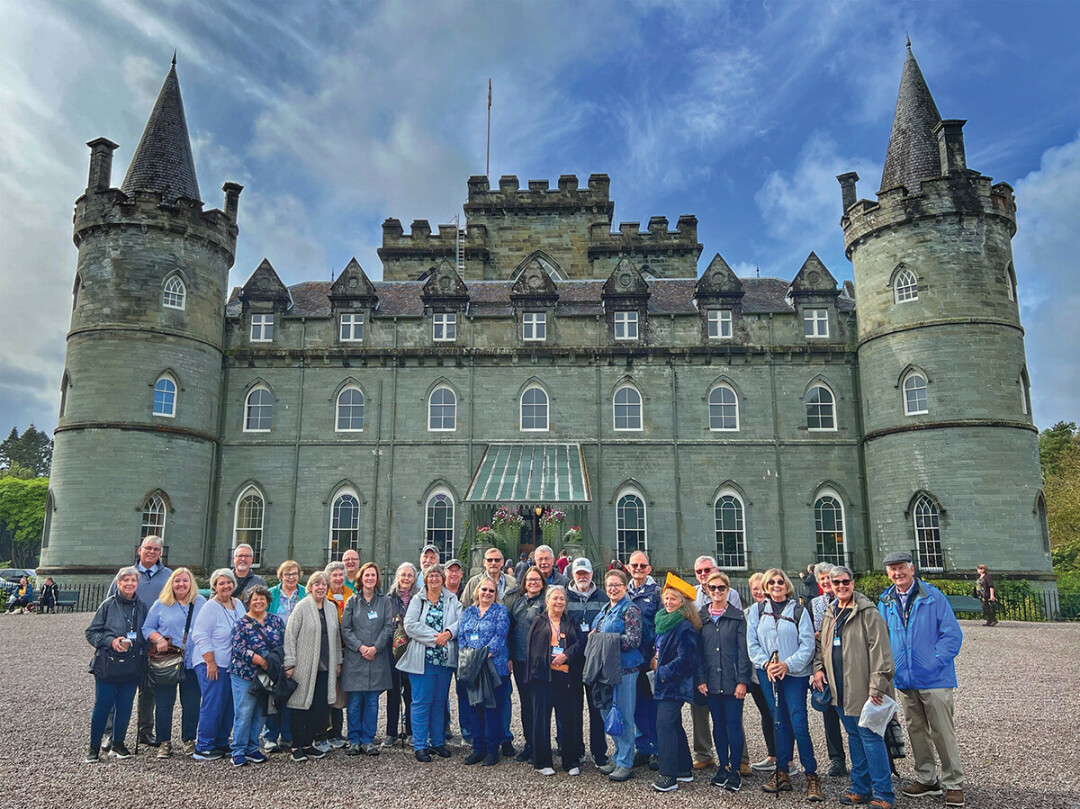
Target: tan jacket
<point x="866" y="653"/>
<point x="474" y="582"/>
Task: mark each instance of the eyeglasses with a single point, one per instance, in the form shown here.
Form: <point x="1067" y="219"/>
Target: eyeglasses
<point x="638" y="565"/>
<point x="776" y="583"/>
<point x="703" y="571"/>
<point x="717" y="588"/>
<point x="492" y="559"/>
<point x="615" y="585"/>
<point x="243" y="556"/>
<point x="841" y="582"/>
<point x="290" y="573"/>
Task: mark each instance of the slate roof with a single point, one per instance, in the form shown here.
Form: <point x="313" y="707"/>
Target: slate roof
<point x="162" y="160"/>
<point x="913" y="154"/>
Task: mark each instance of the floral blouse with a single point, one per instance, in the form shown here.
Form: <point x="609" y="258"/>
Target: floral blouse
<point x="249" y="638"/>
<point x="436" y="655"/>
<point x="491" y="631"/>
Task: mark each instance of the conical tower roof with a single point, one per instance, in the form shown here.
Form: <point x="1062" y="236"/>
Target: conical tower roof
<point x="913" y="147"/>
<point x="163" y="161"/>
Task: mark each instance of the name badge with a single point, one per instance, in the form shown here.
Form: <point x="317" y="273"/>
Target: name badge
<point x="131" y="636"/>
<point x="475" y="637"/>
<point x="556" y="651"/>
<point x="372" y="615"/>
<point x="584" y="626"/>
<point x="836" y="641"/>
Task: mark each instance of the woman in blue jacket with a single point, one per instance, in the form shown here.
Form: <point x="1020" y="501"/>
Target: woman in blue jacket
<point x="486" y="623"/>
<point x="676" y="664"/>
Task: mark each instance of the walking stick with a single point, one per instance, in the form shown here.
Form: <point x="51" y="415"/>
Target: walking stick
<point x="775" y="658"/>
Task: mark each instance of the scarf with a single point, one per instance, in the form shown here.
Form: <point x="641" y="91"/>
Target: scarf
<point x="666" y="621"/>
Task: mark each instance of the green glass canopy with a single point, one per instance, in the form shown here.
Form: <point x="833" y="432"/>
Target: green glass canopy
<point x="522" y="473"/>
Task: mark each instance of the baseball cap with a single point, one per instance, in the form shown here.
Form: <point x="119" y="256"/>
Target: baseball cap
<point x="581" y="563"/>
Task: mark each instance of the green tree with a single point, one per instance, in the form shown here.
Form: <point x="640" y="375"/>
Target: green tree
<point x="1057" y="445"/>
<point x="33" y="450"/>
<point x="22" y="516"/>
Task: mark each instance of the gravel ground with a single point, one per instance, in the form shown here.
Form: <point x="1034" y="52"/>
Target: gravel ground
<point x="47" y="698"/>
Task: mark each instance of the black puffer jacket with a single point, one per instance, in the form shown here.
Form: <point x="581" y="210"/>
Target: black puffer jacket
<point x="116" y="618"/>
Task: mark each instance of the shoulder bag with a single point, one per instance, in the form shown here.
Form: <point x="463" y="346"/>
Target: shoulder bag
<point x="167" y="668"/>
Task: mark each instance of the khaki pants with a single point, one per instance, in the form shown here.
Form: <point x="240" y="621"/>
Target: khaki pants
<point x="929" y="715"/>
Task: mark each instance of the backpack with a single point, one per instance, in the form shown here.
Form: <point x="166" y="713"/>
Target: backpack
<point x="796" y="615"/>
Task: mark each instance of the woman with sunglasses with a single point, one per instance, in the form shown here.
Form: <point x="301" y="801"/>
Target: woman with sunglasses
<point x="767" y="764"/>
<point x="525" y="604"/>
<point x="854" y="659"/>
<point x="724" y="677"/>
<point x="780" y="641"/>
<point x="486" y="623"/>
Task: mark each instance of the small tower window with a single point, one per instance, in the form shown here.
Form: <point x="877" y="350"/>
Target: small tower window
<point x="65" y="383"/>
<point x="534" y="326"/>
<point x="259" y="410"/>
<point x="534" y="410"/>
<point x="627" y="409"/>
<point x="165" y="397"/>
<point x="723" y="408"/>
<point x="626" y="325"/>
<point x="442" y="410"/>
<point x="350" y="410"/>
<point x="816" y="323"/>
<point x="928" y="535"/>
<point x="75" y="290"/>
<point x="720" y="324"/>
<point x="262" y="328"/>
<point x="820" y="409"/>
<point x="1010" y="280"/>
<point x="174" y="294"/>
<point x="352" y="328"/>
<point x="444" y="327"/>
<point x="915" y="400"/>
<point x="1025" y="392"/>
<point x="905" y="286"/>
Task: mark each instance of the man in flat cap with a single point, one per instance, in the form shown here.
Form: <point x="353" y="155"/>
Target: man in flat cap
<point x="925" y="639"/>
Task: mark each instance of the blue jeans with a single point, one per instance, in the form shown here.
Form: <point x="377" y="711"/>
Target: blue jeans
<point x="106" y="697"/>
<point x="277" y="727"/>
<point x="247" y="718"/>
<point x="363" y="713"/>
<point x="165" y="699"/>
<point x="727" y="730"/>
<point x="430" y="698"/>
<point x="216" y="710"/>
<point x="789" y="720"/>
<point x="645" y="722"/>
<point x="869" y="761"/>
<point x="626" y="699"/>
<point x="485" y="725"/>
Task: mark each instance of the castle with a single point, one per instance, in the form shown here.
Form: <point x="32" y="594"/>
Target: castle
<point x="535" y="358"/>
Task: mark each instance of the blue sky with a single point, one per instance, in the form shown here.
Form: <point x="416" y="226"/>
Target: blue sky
<point x="336" y="115"/>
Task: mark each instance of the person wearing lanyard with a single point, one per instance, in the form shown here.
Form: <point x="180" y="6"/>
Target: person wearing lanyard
<point x="338" y="594"/>
<point x="366" y="630"/>
<point x="855" y="660"/>
<point x="277" y="738"/>
<point x="584" y="602"/>
<point x="212" y="636"/>
<point x="486" y="623"/>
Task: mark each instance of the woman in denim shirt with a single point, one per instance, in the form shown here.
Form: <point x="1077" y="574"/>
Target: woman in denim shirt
<point x="487" y="623"/>
<point x="621" y="617"/>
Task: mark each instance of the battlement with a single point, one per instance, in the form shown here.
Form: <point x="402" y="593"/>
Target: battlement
<point x="630" y="239"/>
<point x="539" y="197"/>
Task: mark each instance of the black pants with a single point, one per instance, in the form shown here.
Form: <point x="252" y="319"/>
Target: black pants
<point x="400" y="688"/>
<point x="766" y="718"/>
<point x="834" y="734"/>
<point x="312" y="723"/>
<point x="597" y="737"/>
<point x="673" y="751"/>
<point x="562" y="696"/>
<point x="337" y="723"/>
<point x="988" y="612"/>
<point x="524" y="690"/>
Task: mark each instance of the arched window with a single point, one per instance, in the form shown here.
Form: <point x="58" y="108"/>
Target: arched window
<point x="442" y="410"/>
<point x="1010" y="281"/>
<point x="440" y="524"/>
<point x="730" y="531"/>
<point x="258" y="410"/>
<point x="350" y="410"/>
<point x="153" y="517"/>
<point x="344" y="524"/>
<point x="915" y="402"/>
<point x="820" y="409"/>
<point x="1025" y="392"/>
<point x="723" y="408"/>
<point x="627" y="405"/>
<point x="928" y="535"/>
<point x="630" y="528"/>
<point x="248" y="523"/>
<point x="165" y="396"/>
<point x="829" y="529"/>
<point x="534" y="409"/>
<point x="174" y="293"/>
<point x="905" y="286"/>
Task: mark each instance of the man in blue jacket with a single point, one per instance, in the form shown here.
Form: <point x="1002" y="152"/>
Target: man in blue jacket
<point x="925" y="639"/>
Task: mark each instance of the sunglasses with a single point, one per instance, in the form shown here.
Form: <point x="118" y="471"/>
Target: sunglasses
<point x="638" y="565"/>
<point x="717" y="588"/>
<point x="776" y="583"/>
<point x="704" y="570"/>
<point x="486" y="590"/>
<point x="841" y="582"/>
<point x="493" y="559"/>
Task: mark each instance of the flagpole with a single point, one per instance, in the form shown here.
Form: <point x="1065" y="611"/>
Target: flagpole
<point x="487" y="159"/>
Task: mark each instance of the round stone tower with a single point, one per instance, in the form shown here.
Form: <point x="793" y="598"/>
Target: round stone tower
<point x="138" y="426"/>
<point x="951" y="452"/>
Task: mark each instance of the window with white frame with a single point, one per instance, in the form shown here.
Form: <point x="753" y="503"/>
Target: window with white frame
<point x="816" y="322"/>
<point x="262" y="328"/>
<point x="248" y="522"/>
<point x="1010" y="280"/>
<point x="350" y="410"/>
<point x="444" y="326"/>
<point x="627" y="405"/>
<point x="928" y="535"/>
<point x="905" y="286"/>
<point x="915" y="401"/>
<point x="626" y="325"/>
<point x="352" y="328"/>
<point x="719" y="324"/>
<point x="442" y="410"/>
<point x="440" y="524"/>
<point x="820" y="409"/>
<point x="258" y="410"/>
<point x="829" y="529"/>
<point x="730" y="531"/>
<point x="534" y="326"/>
<point x="534" y="409"/>
<point x="344" y="524"/>
<point x="1025" y="392"/>
<point x="165" y="397"/>
<point x="174" y="293"/>
<point x="630" y="526"/>
<point x="154" y="512"/>
<point x="723" y="408"/>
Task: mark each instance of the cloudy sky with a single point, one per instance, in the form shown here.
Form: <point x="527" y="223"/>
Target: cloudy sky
<point x="336" y="115"/>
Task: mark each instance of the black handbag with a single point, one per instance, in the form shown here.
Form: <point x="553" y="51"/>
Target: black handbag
<point x="894" y="739"/>
<point x="111" y="666"/>
<point x="167" y="668"/>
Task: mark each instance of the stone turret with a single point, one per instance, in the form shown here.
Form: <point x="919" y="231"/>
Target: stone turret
<point x="141" y="387"/>
<point x="950" y="445"/>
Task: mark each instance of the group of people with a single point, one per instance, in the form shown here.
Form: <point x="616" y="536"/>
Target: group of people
<point x="283" y="668"/>
<point x="22" y="597"/>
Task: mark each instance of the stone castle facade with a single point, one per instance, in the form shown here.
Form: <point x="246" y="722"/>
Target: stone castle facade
<point x="538" y="359"/>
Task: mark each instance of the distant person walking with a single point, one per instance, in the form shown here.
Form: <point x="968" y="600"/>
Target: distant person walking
<point x="984" y="591"/>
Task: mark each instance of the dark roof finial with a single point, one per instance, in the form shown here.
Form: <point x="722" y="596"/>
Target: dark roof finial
<point x="174" y="55"/>
<point x="908" y="47"/>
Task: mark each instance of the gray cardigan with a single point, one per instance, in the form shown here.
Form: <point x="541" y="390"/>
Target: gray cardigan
<point x="302" y="642"/>
<point x="422" y="636"/>
<point x="358" y="629"/>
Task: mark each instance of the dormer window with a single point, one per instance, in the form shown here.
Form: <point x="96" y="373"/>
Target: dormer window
<point x="534" y="326"/>
<point x="720" y="324"/>
<point x="816" y="323"/>
<point x="262" y="328"/>
<point x="626" y="325"/>
<point x="444" y="327"/>
<point x="352" y="328"/>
